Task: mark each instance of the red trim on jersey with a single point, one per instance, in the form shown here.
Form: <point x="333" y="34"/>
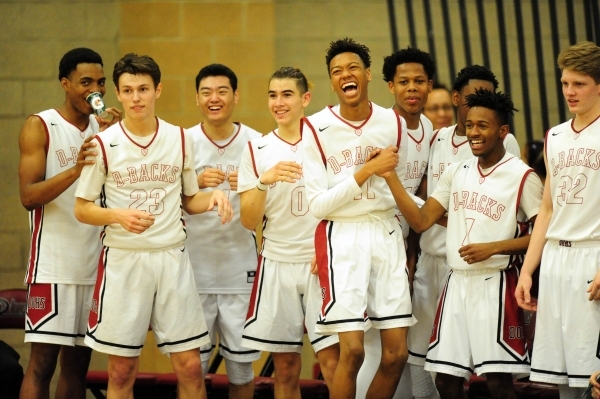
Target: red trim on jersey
<point x="182" y="147"/>
<point x="546" y="143"/>
<point x="287" y="142"/>
<point x="103" y="153"/>
<point x="143" y="147"/>
<point x="330" y="108"/>
<point x="37" y="218"/>
<point x="66" y="120"/>
<point x="492" y="171"/>
<point x="400" y="129"/>
<point x="435" y="133"/>
<point x="314" y="132"/>
<point x="588" y="125"/>
<point x="47" y="146"/>
<point x="452" y="139"/>
<point x="415" y="140"/>
<point x="253" y="161"/>
<point x="235" y="134"/>
<point x="521" y="188"/>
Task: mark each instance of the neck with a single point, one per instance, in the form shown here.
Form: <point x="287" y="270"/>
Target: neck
<point x="413" y="121"/>
<point x="581" y="121"/>
<point x="358" y="112"/>
<point x="218" y="132"/>
<point x="141" y="127"/>
<point x="461" y="130"/>
<point x="73" y="116"/>
<point x="290" y="132"/>
<point x="491" y="159"/>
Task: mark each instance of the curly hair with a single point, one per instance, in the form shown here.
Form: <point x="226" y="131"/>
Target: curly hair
<point x="348" y="45"/>
<point x="476" y="72"/>
<point x="497" y="101"/>
<point x="404" y="56"/>
<point x="81" y="55"/>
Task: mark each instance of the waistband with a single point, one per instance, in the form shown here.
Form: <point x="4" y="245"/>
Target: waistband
<point x="374" y="216"/>
<point x="485" y="270"/>
<point x="573" y="244"/>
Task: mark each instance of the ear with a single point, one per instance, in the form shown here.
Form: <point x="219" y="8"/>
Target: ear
<point x="64" y="82"/>
<point x="504" y="130"/>
<point x="455" y="98"/>
<point x="306" y="99"/>
<point x="391" y="87"/>
<point x="158" y="90"/>
<point x="236" y="97"/>
<point x="197" y="98"/>
<point x="369" y="77"/>
<point x="430" y="85"/>
<point x="118" y="94"/>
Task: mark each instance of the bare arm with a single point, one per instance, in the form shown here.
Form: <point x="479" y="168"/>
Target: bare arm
<point x="206" y="201"/>
<point x="132" y="220"/>
<point x="35" y="190"/>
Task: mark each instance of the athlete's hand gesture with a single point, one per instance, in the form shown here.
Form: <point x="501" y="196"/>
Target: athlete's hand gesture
<point x="224" y="209"/>
<point x="284" y="171"/>
<point x="473" y="253"/>
<point x="523" y="293"/>
<point x="233" y="180"/>
<point x="87" y="149"/>
<point x="595" y="385"/>
<point x="104" y="123"/>
<point x="594" y="288"/>
<point x="133" y="220"/>
<point x="211" y="177"/>
<point x="383" y="161"/>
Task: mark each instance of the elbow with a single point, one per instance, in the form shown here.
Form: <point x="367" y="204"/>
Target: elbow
<point x="247" y="221"/>
<point x="28" y="205"/>
<point x="79" y="215"/>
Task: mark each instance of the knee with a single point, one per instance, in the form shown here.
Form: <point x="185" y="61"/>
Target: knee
<point x="122" y="371"/>
<point x="448" y="385"/>
<point x="394" y="358"/>
<point x="354" y="352"/>
<point x="328" y="360"/>
<point x="187" y="367"/>
<point x="42" y="366"/>
<point x="287" y="367"/>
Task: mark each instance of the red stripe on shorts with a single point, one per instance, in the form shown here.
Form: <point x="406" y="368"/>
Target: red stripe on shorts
<point x="256" y="291"/>
<point x="322" y="245"/>
<point x="41" y="304"/>
<point x="435" y="331"/>
<point x="96" y="311"/>
<point x="37" y="218"/>
<point x="511" y="326"/>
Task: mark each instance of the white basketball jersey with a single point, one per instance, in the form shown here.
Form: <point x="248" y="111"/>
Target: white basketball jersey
<point x="335" y="149"/>
<point x="62" y="249"/>
<point x="288" y="226"/>
<point x="223" y="255"/>
<point x="486" y="205"/>
<point x="417" y="143"/>
<point x="573" y="160"/>
<point x="148" y="175"/>
<point x="448" y="148"/>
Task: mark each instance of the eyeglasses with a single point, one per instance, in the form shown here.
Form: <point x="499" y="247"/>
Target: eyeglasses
<point x="438" y="108"/>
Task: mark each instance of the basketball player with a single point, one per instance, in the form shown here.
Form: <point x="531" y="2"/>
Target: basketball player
<point x="359" y="245"/>
<point x="448" y="145"/>
<point x="478" y="326"/>
<point x="223" y="256"/>
<point x="286" y="296"/>
<point x="438" y="108"/>
<point x="63" y="254"/>
<point x="568" y="317"/>
<point x="409" y="75"/>
<point x="144" y="175"/>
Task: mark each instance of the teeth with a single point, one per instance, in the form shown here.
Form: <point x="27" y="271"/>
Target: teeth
<point x="351" y="84"/>
<point x="214" y="108"/>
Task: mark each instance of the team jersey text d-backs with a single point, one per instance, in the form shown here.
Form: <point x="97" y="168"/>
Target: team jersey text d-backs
<point x="223" y="255"/>
<point x="288" y="226"/>
<point x="573" y="162"/>
<point x="62" y="249"/>
<point x="485" y="205"/>
<point x="335" y="149"/>
<point x="417" y="144"/>
<point x="144" y="173"/>
<point x="448" y="148"/>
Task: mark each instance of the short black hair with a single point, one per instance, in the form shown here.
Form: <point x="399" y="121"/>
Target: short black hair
<point x="404" y="56"/>
<point x="136" y="65"/>
<point x="476" y="72"/>
<point x="348" y="45"/>
<point x="497" y="101"/>
<point x="72" y="58"/>
<point x="217" y="70"/>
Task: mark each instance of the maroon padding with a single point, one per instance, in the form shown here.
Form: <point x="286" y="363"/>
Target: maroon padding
<point x="525" y="389"/>
<point x="100" y="378"/>
<point x="13" y="305"/>
<point x="313" y="388"/>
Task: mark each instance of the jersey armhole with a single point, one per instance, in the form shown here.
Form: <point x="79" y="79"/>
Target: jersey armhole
<point x="399" y="128"/>
<point x="432" y="140"/>
<point x="316" y="141"/>
<point x="47" y="146"/>
<point x="182" y="148"/>
<point x="252" y="158"/>
<point x="523" y="179"/>
<point x="546" y="143"/>
<point x="103" y="154"/>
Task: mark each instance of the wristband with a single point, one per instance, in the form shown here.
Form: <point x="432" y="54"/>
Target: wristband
<point x="261" y="186"/>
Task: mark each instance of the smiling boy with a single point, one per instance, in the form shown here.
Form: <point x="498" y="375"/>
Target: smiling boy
<point x="144" y="175"/>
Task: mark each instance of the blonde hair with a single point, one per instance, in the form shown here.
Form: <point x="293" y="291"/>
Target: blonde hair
<point x="583" y="57"/>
